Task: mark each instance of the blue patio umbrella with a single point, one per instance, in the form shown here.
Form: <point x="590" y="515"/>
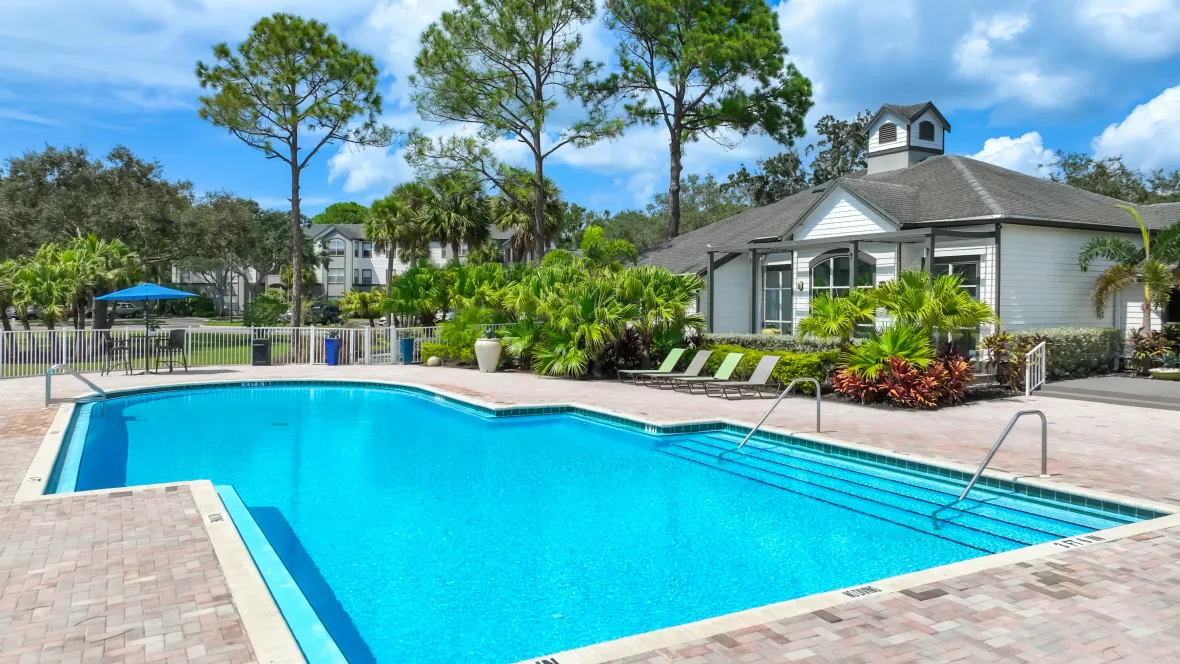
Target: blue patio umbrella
<point x="144" y="293"/>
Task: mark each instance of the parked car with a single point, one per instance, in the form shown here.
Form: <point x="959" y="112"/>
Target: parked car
<point x="126" y="310"/>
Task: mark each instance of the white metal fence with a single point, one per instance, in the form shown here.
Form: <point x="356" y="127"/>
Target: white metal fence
<point x="1034" y="368"/>
<point x="32" y="352"/>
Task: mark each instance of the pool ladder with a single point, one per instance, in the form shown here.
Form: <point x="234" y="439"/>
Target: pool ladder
<point x="775" y="405"/>
<point x="65" y="368"/>
<point x="1003" y="437"/>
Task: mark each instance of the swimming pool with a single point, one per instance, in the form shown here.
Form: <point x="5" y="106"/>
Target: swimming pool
<point x="421" y="530"/>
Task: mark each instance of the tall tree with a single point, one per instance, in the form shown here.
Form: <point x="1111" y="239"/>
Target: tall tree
<point x="1111" y="177"/>
<point x="513" y="211"/>
<point x="346" y="212"/>
<point x="291" y="79"/>
<point x="773" y="179"/>
<point x="501" y="65"/>
<point x="456" y="212"/>
<point x="1156" y="265"/>
<point x="703" y="68"/>
<point x="218" y="236"/>
<point x="398" y="226"/>
<point x="843" y="148"/>
<point x="703" y="201"/>
<point x="62" y="193"/>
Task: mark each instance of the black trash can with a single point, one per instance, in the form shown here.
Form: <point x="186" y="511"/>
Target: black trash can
<point x="260" y="353"/>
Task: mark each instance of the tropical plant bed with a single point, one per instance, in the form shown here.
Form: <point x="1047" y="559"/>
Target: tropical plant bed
<point x="976" y="394"/>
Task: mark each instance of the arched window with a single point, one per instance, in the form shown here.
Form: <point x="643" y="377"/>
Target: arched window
<point x="887" y="133"/>
<point x="336" y="247"/>
<point x="925" y="131"/>
<point x="831" y="273"/>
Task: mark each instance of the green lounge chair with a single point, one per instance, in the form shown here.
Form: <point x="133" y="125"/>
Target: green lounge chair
<point x="693" y="369"/>
<point x="724" y="372"/>
<point x="665" y="368"/>
<point x="757" y="383"/>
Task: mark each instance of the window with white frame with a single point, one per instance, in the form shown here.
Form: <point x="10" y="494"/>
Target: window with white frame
<point x="366" y="250"/>
<point x="356" y="248"/>
<point x="356" y="275"/>
<point x="336" y="275"/>
<point x="777" y="297"/>
<point x="366" y="277"/>
<point x="967" y="269"/>
<point x="831" y="273"/>
<point x="336" y="247"/>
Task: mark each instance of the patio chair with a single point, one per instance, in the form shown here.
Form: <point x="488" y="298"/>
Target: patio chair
<point x="693" y="369"/>
<point x="666" y="368"/>
<point x="724" y="372"/>
<point x="116" y="354"/>
<point x="172" y="350"/>
<point x="756" y="384"/>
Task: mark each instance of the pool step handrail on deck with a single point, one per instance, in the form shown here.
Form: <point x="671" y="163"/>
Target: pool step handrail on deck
<point x="1003" y="437"/>
<point x="65" y="368"/>
<point x="775" y="405"/>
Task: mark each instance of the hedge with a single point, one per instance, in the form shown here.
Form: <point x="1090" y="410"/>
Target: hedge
<point x="443" y="352"/>
<point x="804" y="343"/>
<point x="792" y="365"/>
<point x="1076" y="352"/>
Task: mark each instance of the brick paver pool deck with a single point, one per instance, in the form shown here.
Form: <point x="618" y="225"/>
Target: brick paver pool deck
<point x="132" y="577"/>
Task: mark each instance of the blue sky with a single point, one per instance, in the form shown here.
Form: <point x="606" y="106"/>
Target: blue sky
<point x="1016" y="79"/>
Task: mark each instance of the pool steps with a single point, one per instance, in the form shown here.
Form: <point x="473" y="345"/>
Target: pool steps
<point x="989" y="519"/>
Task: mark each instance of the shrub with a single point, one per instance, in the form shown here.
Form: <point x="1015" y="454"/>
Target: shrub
<point x="1147" y="347"/>
<point x="903" y="342"/>
<point x="906" y="385"/>
<point x="804" y="343"/>
<point x="1074" y="352"/>
<point x="266" y="309"/>
<point x="790" y="367"/>
<point x="448" y="353"/>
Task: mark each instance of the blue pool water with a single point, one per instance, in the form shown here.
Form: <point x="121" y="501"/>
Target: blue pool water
<point x="421" y="532"/>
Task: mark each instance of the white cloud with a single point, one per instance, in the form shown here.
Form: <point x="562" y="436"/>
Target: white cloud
<point x="368" y="169"/>
<point x="1149" y="137"/>
<point x="1026" y="154"/>
<point x="392" y="30"/>
<point x="21" y="116"/>
<point x="986" y="55"/>
<point x="1134" y="29"/>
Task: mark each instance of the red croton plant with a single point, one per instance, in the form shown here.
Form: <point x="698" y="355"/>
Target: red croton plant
<point x="943" y="382"/>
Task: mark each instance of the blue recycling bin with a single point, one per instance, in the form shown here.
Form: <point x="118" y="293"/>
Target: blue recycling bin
<point x="332" y="351"/>
<point x="407" y="350"/>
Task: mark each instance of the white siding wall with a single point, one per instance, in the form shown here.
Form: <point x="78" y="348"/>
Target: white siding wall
<point x="938" y="136"/>
<point x="874" y="142"/>
<point x="1041" y="285"/>
<point x="840" y="215"/>
<point x="731" y="311"/>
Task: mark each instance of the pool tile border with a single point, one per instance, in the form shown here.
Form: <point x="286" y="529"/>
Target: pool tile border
<point x="273" y="641"/>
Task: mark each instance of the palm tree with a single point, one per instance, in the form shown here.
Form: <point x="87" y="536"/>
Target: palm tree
<point x="603" y="253"/>
<point x="421" y="292"/>
<point x="660" y="300"/>
<point x="1158" y="271"/>
<point x="364" y="304"/>
<point x="838" y="317"/>
<point x="397" y="223"/>
<point x="99" y="267"/>
<point x="932" y="304"/>
<point x="46" y="283"/>
<point x="456" y="211"/>
<point x="512" y="210"/>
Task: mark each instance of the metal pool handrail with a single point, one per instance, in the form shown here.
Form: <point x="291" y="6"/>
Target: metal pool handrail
<point x="775" y="405"/>
<point x="67" y="369"/>
<point x="1003" y="437"/>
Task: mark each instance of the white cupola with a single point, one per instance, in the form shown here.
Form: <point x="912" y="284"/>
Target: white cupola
<point x="901" y="136"/>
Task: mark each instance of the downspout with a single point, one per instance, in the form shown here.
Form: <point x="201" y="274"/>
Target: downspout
<point x="709" y="284"/>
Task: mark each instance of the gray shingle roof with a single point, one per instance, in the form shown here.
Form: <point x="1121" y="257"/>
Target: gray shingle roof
<point x="939" y="189"/>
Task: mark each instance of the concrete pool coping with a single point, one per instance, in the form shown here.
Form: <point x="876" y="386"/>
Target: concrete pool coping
<point x="273" y="641"/>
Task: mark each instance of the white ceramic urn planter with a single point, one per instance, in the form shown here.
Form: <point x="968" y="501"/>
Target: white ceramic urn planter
<point x="487" y="354"/>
